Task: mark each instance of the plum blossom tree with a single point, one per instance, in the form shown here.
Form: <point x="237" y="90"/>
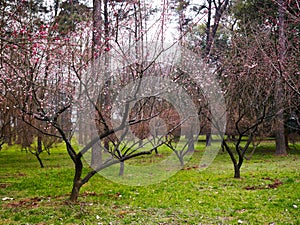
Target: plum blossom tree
<point x="249" y="95"/>
<point x="34" y="66"/>
<point x="25" y="54"/>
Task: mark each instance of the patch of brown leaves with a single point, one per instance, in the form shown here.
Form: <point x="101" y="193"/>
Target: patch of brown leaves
<point x="27" y="203"/>
<point x="3" y="185"/>
<point x="275" y="184"/>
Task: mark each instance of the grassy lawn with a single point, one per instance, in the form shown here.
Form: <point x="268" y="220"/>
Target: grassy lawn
<point x="268" y="193"/>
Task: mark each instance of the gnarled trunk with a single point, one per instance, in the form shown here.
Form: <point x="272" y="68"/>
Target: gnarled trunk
<point x="77" y="184"/>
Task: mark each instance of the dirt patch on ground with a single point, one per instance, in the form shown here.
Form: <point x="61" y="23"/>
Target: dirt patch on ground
<point x="4" y="185"/>
<point x="26" y="203"/>
<point x="21" y="174"/>
<point x="191" y="167"/>
<point x="29" y="203"/>
<point x="275" y="184"/>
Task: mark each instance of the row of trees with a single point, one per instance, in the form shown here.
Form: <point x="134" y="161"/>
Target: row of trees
<point x="66" y="67"/>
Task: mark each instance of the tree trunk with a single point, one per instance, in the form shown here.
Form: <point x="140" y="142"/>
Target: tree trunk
<point x="208" y="24"/>
<point x="286" y="136"/>
<point x="237" y="171"/>
<point x="279" y="135"/>
<point x="97" y="26"/>
<point x="236" y="165"/>
<point x="96" y="159"/>
<point x="121" y="172"/>
<point x="37" y="155"/>
<point x="180" y="157"/>
<point x="211" y="32"/>
<point x="106" y="144"/>
<point x="140" y="143"/>
<point x="75" y="190"/>
<point x="208" y="139"/>
<point x="181" y="160"/>
<point x="39" y="144"/>
<point x="77" y="182"/>
<point x="191" y="146"/>
<point x="39" y="150"/>
<point x="10" y="136"/>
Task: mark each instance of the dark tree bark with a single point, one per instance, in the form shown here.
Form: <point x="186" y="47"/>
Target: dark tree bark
<point x="236" y="164"/>
<point x="219" y="8"/>
<point x="37" y="155"/>
<point x="77" y="181"/>
<point x="237" y="172"/>
<point x="280" y="138"/>
<point x="39" y="150"/>
<point x="97" y="24"/>
<point x="75" y="190"/>
<point x="208" y="139"/>
<point x="208" y="25"/>
<point x="279" y="126"/>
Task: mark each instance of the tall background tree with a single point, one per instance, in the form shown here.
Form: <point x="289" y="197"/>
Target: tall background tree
<point x="276" y="19"/>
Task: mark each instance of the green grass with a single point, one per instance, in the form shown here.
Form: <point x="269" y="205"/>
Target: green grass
<point x="269" y="192"/>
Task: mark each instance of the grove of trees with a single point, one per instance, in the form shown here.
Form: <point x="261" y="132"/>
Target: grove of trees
<point x="102" y="76"/>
